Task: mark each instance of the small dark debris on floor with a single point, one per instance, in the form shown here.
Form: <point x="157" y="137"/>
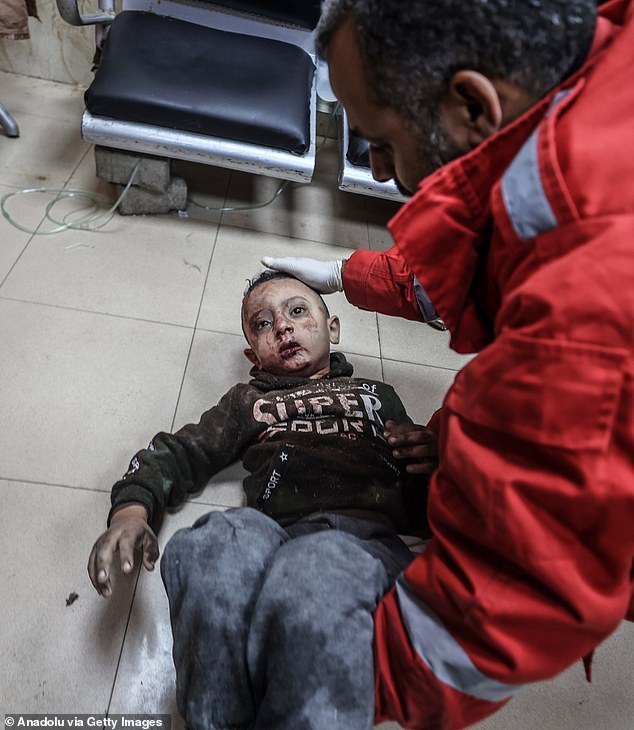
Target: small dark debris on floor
<point x="72" y="597"/>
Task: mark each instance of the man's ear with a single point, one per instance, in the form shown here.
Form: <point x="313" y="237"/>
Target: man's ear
<point x="251" y="357"/>
<point x="472" y="109"/>
<point x="334" y="329"/>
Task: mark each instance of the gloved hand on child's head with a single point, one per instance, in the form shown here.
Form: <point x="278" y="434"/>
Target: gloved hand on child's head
<point x="323" y="276"/>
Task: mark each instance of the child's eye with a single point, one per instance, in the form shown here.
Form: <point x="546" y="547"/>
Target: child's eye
<point x="262" y="324"/>
<point x="298" y="310"/>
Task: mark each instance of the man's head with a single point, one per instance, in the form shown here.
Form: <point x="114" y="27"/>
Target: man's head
<point x="426" y="81"/>
<point x="287" y="326"/>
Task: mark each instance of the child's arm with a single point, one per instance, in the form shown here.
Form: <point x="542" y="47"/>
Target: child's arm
<point x="176" y="465"/>
<point x="128" y="532"/>
<point x="165" y="474"/>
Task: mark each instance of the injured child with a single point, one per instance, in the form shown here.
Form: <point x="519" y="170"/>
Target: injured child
<point x="271" y="604"/>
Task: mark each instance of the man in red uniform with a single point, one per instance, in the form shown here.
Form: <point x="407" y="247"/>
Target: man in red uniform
<point x="512" y="124"/>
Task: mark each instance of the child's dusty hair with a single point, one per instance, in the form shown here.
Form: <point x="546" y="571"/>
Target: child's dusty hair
<point x="262" y="278"/>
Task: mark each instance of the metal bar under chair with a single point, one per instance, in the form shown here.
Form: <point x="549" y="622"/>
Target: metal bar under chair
<point x="9" y="123"/>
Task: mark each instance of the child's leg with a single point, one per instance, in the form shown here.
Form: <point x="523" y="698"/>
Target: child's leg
<point x="213" y="573"/>
<point x="310" y="647"/>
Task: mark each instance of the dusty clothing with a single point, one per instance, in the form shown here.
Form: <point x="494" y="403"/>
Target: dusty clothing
<point x="273" y="627"/>
<point x="526" y="249"/>
<point x="14" y="18"/>
<point x="309" y="445"/>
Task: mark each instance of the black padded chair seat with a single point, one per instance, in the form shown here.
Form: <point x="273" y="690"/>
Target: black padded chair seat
<point x="170" y="73"/>
<point x="303" y="13"/>
<point x="358" y="153"/>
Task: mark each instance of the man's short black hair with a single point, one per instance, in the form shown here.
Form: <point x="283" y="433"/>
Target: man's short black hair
<point x="262" y="278"/>
<point x="412" y="48"/>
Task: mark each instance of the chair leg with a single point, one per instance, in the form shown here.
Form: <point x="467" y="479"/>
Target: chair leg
<point x="9" y="123"/>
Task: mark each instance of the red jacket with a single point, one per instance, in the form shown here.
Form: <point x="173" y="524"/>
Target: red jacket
<point x="526" y="249"/>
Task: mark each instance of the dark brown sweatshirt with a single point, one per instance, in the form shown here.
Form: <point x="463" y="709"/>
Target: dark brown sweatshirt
<point x="308" y="445"/>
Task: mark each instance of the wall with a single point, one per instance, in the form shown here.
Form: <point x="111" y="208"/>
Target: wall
<point x="55" y="51"/>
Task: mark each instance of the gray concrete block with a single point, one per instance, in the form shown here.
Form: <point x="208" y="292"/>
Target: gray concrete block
<point x="116" y="166"/>
<point x="138" y="201"/>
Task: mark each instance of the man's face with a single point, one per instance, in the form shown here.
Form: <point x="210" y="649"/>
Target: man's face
<point x="398" y="150"/>
<point x="288" y="329"/>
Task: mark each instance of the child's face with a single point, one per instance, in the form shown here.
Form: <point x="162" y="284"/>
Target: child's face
<point x="288" y="329"/>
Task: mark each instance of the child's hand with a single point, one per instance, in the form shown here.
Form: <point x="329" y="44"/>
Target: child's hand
<point x="413" y="442"/>
<point x="128" y="531"/>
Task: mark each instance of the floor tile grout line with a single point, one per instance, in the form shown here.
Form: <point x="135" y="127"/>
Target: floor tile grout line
<point x="100" y="492"/>
<point x="15" y="263"/>
<point x="347" y="352"/>
<point x="366" y="211"/>
<point x="77" y="166"/>
<point x="36" y="482"/>
<point x="378" y="334"/>
<point x="211" y="504"/>
<point x="124" y="637"/>
<point x="284" y="235"/>
<point x="219" y="332"/>
<point x="423" y="364"/>
<point x="96" y="312"/>
<point x="224" y="203"/>
<point x="195" y="328"/>
<point x="352" y="353"/>
<point x="26" y="245"/>
<point x="39" y="225"/>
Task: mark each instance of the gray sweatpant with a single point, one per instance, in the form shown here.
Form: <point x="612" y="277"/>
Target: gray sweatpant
<point x="273" y="627"/>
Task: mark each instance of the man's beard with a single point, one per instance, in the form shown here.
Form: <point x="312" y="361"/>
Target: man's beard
<point x="435" y="150"/>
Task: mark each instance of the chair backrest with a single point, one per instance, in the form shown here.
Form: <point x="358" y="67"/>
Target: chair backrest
<point x="291" y="21"/>
<point x="303" y="13"/>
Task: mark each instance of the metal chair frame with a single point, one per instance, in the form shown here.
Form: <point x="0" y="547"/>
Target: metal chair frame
<point x="8" y="123"/>
<point x="178" y="144"/>
<point x="356" y="178"/>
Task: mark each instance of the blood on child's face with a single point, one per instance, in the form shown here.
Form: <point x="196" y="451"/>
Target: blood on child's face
<point x="288" y="329"/>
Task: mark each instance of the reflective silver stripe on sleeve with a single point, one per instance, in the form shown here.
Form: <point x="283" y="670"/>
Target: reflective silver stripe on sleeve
<point x="424" y="302"/>
<point x="524" y="194"/>
<point x="437" y="648"/>
<point x="523" y="191"/>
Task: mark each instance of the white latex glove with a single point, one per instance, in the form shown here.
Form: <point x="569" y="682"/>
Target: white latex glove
<point x="324" y="276"/>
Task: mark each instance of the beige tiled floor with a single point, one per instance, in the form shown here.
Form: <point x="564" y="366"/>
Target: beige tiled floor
<point x="106" y="338"/>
